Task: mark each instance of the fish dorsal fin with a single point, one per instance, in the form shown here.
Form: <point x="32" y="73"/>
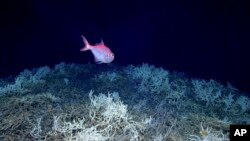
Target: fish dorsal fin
<point x="101" y="43"/>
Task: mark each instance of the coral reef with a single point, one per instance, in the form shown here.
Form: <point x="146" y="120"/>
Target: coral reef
<point x="127" y="103"/>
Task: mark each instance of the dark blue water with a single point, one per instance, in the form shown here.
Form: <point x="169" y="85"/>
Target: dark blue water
<point x="203" y="39"/>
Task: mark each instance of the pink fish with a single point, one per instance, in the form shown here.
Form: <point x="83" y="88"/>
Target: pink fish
<point x="102" y="54"/>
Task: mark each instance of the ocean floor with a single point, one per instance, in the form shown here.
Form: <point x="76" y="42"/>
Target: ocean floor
<point x="90" y="102"/>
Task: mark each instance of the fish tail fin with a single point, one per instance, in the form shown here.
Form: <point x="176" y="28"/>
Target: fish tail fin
<point x="87" y="45"/>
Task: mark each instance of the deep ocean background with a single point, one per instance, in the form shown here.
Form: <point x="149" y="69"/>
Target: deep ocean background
<point x="203" y="39"/>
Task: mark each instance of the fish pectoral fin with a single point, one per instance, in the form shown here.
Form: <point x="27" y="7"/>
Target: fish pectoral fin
<point x="97" y="60"/>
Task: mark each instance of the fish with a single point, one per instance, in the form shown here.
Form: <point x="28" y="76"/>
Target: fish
<point x="101" y="53"/>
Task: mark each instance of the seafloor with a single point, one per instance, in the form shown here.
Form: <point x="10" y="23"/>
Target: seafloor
<point x="90" y="102"/>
